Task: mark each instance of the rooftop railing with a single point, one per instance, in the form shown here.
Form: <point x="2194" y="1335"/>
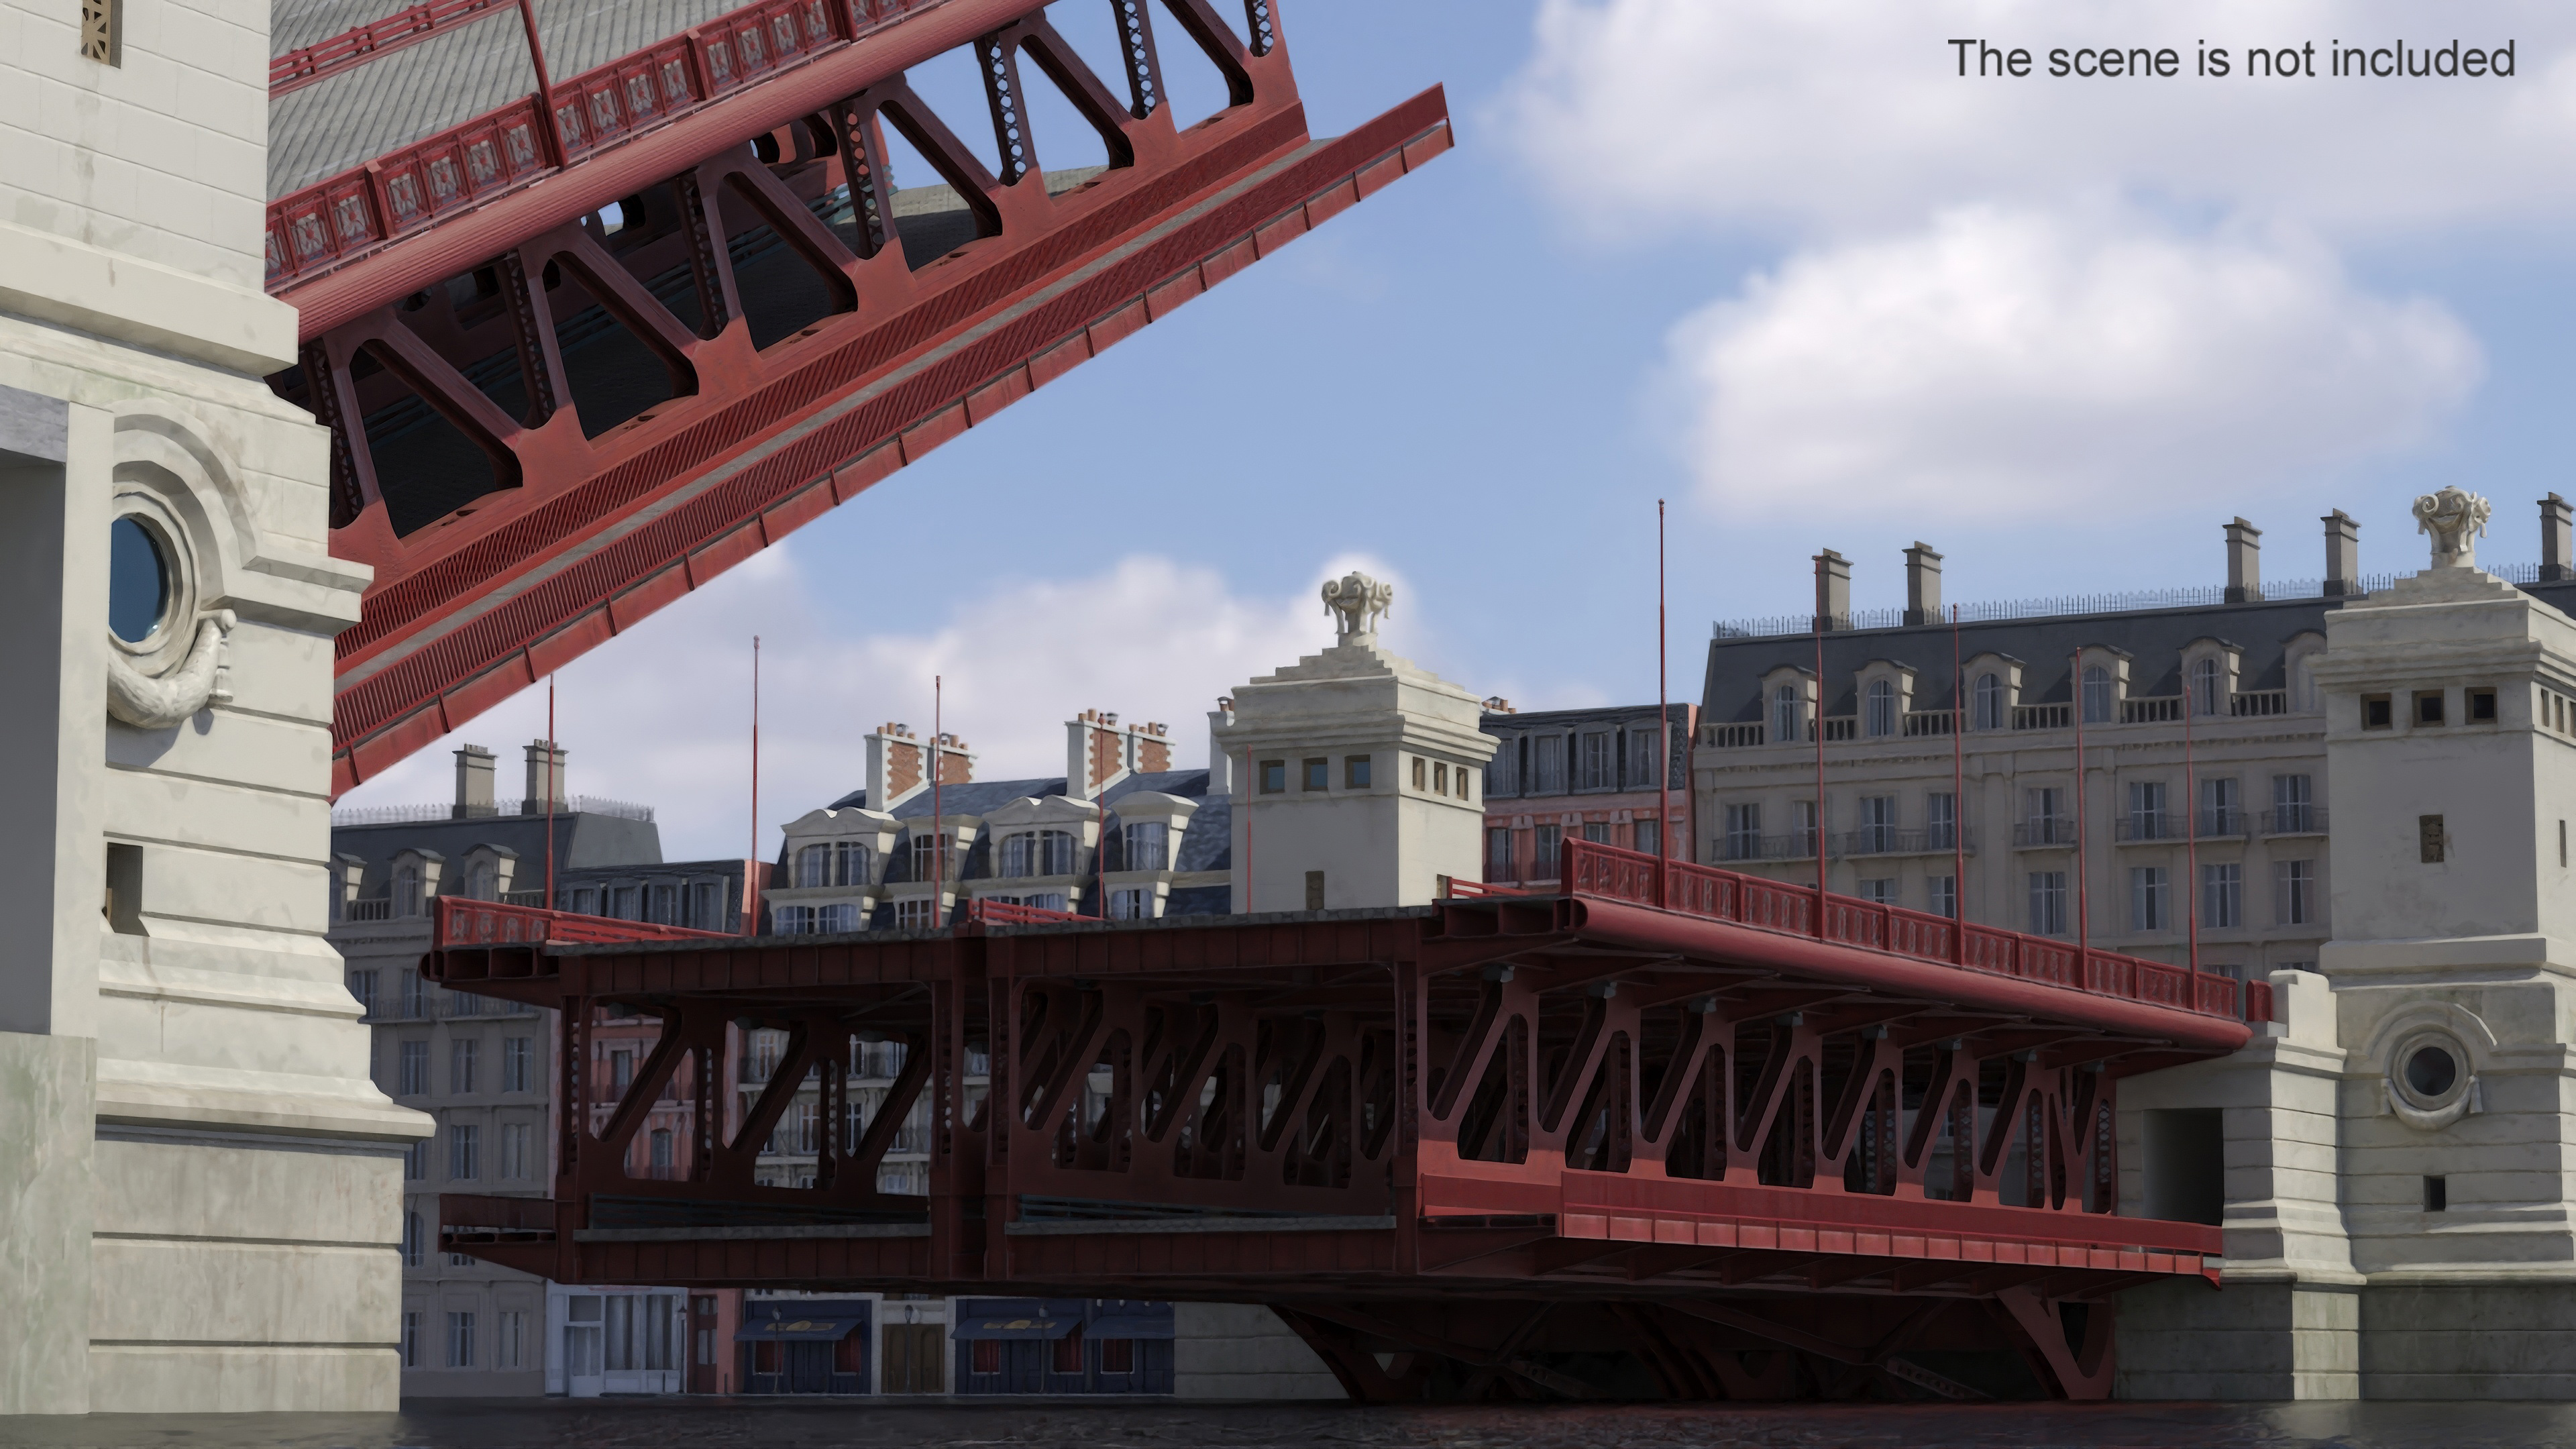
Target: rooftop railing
<point x="348" y="815"/>
<point x="2064" y="605"/>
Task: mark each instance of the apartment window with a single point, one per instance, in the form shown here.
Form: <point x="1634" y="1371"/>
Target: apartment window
<point x="2293" y="807"/>
<point x="1440" y="779"/>
<point x="918" y="915"/>
<point x="625" y="903"/>
<point x="2222" y="801"/>
<point x="1877" y="823"/>
<point x="2147" y="810"/>
<point x="483" y="880"/>
<point x="509" y="1340"/>
<point x="814" y="867"/>
<point x="2097" y="695"/>
<point x="1129" y="905"/>
<point x="621" y="1069"/>
<point x="1593" y="762"/>
<point x="707" y="905"/>
<point x="1882" y="891"/>
<point x="1803" y="817"/>
<point x="2048" y="903"/>
<point x="463" y="1056"/>
<point x="1319" y="775"/>
<point x="1784" y="714"/>
<point x="1145" y="845"/>
<point x="464" y="1151"/>
<point x="1743" y="832"/>
<point x="1547" y="761"/>
<point x="1544" y="867"/>
<point x="416" y="1161"/>
<point x="1498" y="850"/>
<point x="1068" y="1353"/>
<point x="2148" y="908"/>
<point x="2482" y="708"/>
<point x="407" y="891"/>
<point x="416" y="994"/>
<point x="661" y="1148"/>
<point x="1643" y="748"/>
<point x="2428" y="707"/>
<point x="412" y="1070"/>
<point x="2376" y="713"/>
<point x="518" y="1063"/>
<point x="415" y="1249"/>
<point x="411" y="1327"/>
<point x="2048" y="822"/>
<point x="460" y="1340"/>
<point x="1990" y="702"/>
<point x="1355" y="772"/>
<point x="1878" y="712"/>
<point x="1940" y="820"/>
<point x="362" y="985"/>
<point x="930" y="857"/>
<point x="1597" y="831"/>
<point x="2204" y="686"/>
<point x="2294" y="892"/>
<point x="985" y="1357"/>
<point x="517" y="1141"/>
<point x="1648" y="842"/>
<point x="2222" y="896"/>
<point x="1945" y="896"/>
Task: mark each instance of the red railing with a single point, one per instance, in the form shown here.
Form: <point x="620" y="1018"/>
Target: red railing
<point x="1012" y="913"/>
<point x="1594" y="869"/>
<point x="362" y="43"/>
<point x="513" y="146"/>
<point x="466" y="923"/>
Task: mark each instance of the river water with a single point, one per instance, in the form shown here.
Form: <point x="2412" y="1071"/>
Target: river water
<point x="1162" y="1424"/>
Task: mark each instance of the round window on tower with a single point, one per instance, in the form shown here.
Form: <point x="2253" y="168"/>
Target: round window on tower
<point x="2429" y="1070"/>
<point x="138" y="580"/>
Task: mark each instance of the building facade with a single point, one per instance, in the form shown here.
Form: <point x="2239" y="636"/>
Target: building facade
<point x="1584" y="774"/>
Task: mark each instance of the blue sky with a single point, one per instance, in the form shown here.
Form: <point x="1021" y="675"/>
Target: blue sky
<point x="1769" y="260"/>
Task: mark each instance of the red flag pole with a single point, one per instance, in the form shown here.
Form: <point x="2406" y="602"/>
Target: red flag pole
<point x="551" y="750"/>
<point x="1664" y="716"/>
<point x="1958" y="795"/>
<point x="2191" y="837"/>
<point x="938" y="827"/>
<point x="1816" y="723"/>
<point x="751" y="867"/>
<point x="2083" y="900"/>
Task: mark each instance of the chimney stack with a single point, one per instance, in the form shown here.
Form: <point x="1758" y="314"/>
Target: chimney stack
<point x="2343" y="555"/>
<point x="474" y="783"/>
<point x="540" y="752"/>
<point x="1833" y="591"/>
<point x="1220" y="764"/>
<point x="2244" y="563"/>
<point x="895" y="772"/>
<point x="1922" y="584"/>
<point x="2557" y="539"/>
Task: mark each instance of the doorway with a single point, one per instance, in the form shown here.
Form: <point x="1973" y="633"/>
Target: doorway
<point x="916" y="1358"/>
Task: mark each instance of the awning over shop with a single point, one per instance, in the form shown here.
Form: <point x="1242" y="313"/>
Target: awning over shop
<point x="1129" y="1325"/>
<point x="795" y="1330"/>
<point x="1026" y="1328"/>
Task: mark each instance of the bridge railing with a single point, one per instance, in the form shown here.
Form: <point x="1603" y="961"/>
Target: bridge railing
<point x="464" y="923"/>
<point x="1595" y="869"/>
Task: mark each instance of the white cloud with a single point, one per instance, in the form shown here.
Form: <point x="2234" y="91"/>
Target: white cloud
<point x="1843" y="113"/>
<point x="2019" y="364"/>
<point x="662" y="714"/>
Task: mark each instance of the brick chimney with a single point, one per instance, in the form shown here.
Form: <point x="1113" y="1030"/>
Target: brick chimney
<point x="2244" y="563"/>
<point x="2343" y="555"/>
<point x="2557" y="539"/>
<point x="1833" y="591"/>
<point x="1922" y="584"/>
<point x="474" y="783"/>
<point x="540" y="778"/>
<point x="1099" y="752"/>
<point x="895" y="772"/>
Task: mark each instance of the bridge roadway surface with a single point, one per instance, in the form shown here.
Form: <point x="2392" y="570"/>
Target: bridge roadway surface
<point x="1675" y="1132"/>
<point x="600" y="299"/>
<point x="712" y="1423"/>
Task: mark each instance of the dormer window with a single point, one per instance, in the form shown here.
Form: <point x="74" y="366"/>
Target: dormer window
<point x="1990" y="701"/>
<point x="483" y="880"/>
<point x="2097" y="694"/>
<point x="1036" y="853"/>
<point x="1145" y="845"/>
<point x="2204" y="686"/>
<point x="928" y="859"/>
<point x="1784" y="714"/>
<point x="832" y="863"/>
<point x="407" y="894"/>
<point x="1878" y="718"/>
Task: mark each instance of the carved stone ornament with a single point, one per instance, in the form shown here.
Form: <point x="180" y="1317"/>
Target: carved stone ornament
<point x="1355" y="601"/>
<point x="155" y="702"/>
<point x="2455" y="518"/>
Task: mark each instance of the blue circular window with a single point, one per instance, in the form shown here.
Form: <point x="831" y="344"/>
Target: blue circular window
<point x="138" y="581"/>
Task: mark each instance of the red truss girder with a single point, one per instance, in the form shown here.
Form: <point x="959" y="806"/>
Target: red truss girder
<point x="585" y="535"/>
<point x="1485" y="1112"/>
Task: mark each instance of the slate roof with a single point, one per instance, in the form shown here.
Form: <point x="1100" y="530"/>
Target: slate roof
<point x="1205" y="846"/>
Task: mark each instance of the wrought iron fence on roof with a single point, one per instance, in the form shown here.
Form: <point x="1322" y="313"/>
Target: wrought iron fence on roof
<point x="348" y="815"/>
<point x="2063" y="605"/>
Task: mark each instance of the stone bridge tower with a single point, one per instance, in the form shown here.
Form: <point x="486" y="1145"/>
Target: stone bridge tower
<point x="199" y="1183"/>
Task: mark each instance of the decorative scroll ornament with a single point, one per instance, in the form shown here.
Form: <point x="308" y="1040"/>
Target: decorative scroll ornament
<point x="2455" y="518"/>
<point x="157" y="702"/>
<point x="1355" y="600"/>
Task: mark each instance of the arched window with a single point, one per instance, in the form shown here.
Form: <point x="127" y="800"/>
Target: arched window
<point x="814" y="867"/>
<point x="2204" y="686"/>
<point x="407" y="891"/>
<point x="2303" y="682"/>
<point x="1882" y="708"/>
<point x="483" y="880"/>
<point x="413" y="1250"/>
<point x="1784" y="714"/>
<point x="1990" y="702"/>
<point x="2097" y="694"/>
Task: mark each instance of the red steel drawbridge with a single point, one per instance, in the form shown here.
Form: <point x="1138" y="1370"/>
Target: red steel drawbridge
<point x="1675" y="1132"/>
<point x="584" y="349"/>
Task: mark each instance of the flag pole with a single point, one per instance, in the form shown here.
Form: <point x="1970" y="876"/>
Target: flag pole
<point x="1958" y="794"/>
<point x="750" y="867"/>
<point x="551" y="750"/>
<point x="2083" y="881"/>
<point x="938" y="828"/>
<point x="2191" y="838"/>
<point x="1664" y="717"/>
<point x="1816" y="724"/>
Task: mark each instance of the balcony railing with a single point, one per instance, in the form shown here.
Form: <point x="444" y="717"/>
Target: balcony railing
<point x="2219" y="822"/>
<point x="1922" y="722"/>
<point x="2151" y="709"/>
<point x="379" y="909"/>
<point x="2144" y="825"/>
<point x="2043" y="716"/>
<point x="2295" y="820"/>
<point x="2251" y="702"/>
<point x="1888" y="840"/>
<point x="2045" y="830"/>
<point x="1737" y="736"/>
<point x="1797" y="845"/>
